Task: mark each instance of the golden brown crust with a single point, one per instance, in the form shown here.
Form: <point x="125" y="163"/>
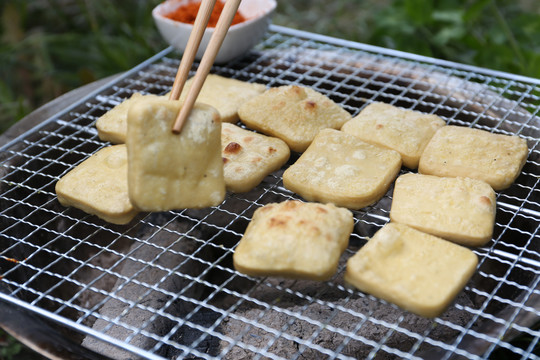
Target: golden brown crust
<point x="458" y="209"/>
<point x="418" y="272"/>
<point x="341" y="169"/>
<point x="465" y="152"/>
<point x="249" y="157"/>
<point x="232" y="148"/>
<point x="295" y="240"/>
<point x="99" y="186"/>
<point x="112" y="126"/>
<point x="292" y="113"/>
<point x="225" y="95"/>
<point x="405" y="131"/>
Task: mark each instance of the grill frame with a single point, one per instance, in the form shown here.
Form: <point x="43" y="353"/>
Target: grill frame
<point x="285" y="56"/>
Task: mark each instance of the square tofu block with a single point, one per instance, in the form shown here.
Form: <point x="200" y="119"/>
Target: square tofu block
<point x="295" y="240"/>
<point x="112" y="126"/>
<point x="462" y="151"/>
<point x="458" y="209"/>
<point x="174" y="171"/>
<point x="99" y="186"/>
<point x="405" y="131"/>
<point x="341" y="169"/>
<point x="292" y="113"/>
<point x="248" y="157"/>
<point x="225" y="95"/>
<point x="416" y="271"/>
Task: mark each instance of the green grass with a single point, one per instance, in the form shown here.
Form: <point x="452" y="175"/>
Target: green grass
<point x="501" y="35"/>
<point x="51" y="47"/>
<point x="11" y="349"/>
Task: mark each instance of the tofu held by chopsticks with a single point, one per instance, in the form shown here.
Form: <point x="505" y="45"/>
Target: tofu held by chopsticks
<point x="174" y="171"/>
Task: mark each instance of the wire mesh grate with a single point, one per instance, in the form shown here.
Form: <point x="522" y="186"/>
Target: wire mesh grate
<point x="163" y="286"/>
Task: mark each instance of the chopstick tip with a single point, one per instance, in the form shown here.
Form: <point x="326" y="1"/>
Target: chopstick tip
<point x="179" y="123"/>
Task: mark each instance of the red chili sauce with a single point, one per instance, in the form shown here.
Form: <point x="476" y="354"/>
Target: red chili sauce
<point x="187" y="14"/>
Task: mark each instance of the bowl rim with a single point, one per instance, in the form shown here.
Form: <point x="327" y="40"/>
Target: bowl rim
<point x="159" y="16"/>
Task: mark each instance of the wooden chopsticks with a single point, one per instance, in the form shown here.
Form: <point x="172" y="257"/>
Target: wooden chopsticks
<point x="220" y="31"/>
<point x="200" y="24"/>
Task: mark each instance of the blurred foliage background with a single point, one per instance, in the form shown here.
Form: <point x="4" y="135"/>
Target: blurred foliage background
<point x="48" y="47"/>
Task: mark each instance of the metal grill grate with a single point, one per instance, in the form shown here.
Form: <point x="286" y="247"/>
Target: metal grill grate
<point x="164" y="287"/>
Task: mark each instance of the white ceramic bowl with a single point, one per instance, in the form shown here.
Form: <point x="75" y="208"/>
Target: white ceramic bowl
<point x="240" y="37"/>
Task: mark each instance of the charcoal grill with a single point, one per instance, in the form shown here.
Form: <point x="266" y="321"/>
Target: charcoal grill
<point x="163" y="287"/>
